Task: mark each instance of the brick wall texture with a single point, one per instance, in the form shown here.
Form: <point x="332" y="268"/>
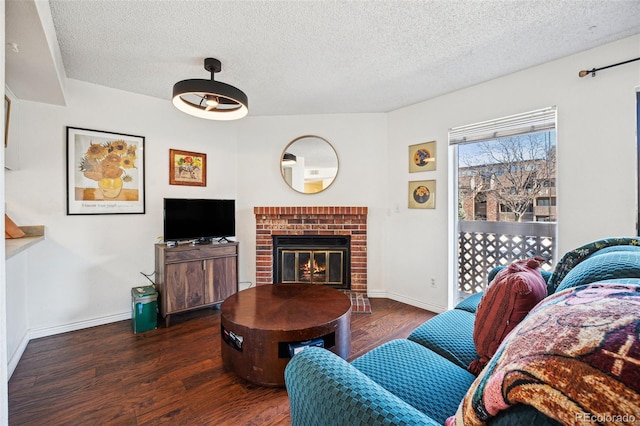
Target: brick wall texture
<point x="312" y="221"/>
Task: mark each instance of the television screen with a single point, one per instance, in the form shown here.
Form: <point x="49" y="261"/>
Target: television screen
<point x="190" y="218"/>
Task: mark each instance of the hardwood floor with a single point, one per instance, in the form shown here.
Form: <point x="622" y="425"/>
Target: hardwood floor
<point x="108" y="375"/>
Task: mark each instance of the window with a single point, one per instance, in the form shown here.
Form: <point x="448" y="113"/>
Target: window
<point x="512" y="172"/>
<point x="505" y="190"/>
<point x="546" y="202"/>
<point x="638" y="151"/>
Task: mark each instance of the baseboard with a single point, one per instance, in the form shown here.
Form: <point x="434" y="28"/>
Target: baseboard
<point x="15" y="357"/>
<point x="409" y="301"/>
<point x="35" y="333"/>
<point x="377" y="294"/>
<point x="417" y="303"/>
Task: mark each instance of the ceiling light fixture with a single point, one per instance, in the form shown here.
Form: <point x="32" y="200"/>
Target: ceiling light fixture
<point x="210" y="99"/>
<point x="288" y="159"/>
<point x="584" y="73"/>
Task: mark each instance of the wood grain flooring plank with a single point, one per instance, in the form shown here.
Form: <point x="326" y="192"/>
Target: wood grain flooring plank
<point x="109" y="375"/>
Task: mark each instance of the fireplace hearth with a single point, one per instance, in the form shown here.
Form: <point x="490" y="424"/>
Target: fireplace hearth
<point x="313" y="259"/>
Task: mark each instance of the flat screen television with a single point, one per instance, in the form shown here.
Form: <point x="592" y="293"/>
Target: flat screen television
<point x="198" y="219"/>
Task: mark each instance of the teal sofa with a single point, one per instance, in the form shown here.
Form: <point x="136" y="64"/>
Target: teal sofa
<point x="421" y="380"/>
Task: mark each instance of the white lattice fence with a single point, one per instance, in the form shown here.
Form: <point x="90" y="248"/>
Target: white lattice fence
<point x="483" y="245"/>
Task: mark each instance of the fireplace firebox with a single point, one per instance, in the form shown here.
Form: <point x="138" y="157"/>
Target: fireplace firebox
<point x="314" y="259"/>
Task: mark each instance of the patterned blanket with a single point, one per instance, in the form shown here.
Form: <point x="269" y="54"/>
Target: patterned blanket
<point x="575" y="358"/>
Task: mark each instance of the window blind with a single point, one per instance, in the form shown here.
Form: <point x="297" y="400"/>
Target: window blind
<point x="540" y="120"/>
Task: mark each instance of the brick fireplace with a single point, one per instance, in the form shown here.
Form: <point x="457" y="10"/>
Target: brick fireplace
<point x="336" y="221"/>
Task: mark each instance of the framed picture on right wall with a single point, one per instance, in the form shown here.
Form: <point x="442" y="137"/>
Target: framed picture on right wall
<point x="422" y="157"/>
<point x="422" y="194"/>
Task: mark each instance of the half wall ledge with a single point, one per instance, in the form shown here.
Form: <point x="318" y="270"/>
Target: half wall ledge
<point x="33" y="234"/>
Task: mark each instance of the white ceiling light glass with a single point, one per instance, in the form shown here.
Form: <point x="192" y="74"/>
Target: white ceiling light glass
<point x="210" y="99"/>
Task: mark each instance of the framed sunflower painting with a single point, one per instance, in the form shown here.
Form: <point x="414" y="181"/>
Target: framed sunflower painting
<point x="105" y="172"/>
<point x="422" y="194"/>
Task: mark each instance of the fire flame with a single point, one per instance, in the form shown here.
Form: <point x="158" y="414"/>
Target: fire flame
<point x="307" y="269"/>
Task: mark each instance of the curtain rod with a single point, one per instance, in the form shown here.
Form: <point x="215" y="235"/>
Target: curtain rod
<point x="593" y="71"/>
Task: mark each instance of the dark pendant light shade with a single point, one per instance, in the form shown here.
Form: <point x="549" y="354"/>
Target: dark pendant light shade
<point x="210" y="99"/>
<point x="288" y="159"/>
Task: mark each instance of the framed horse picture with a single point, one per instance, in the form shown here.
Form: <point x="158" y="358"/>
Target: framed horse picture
<point x="187" y="168"/>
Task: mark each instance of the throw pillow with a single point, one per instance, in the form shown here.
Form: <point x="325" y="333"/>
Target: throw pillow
<point x="514" y="291"/>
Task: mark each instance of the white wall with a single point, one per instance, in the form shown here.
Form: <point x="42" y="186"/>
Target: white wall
<point x="4" y="376"/>
<point x="83" y="272"/>
<point x="596" y="155"/>
<point x="18" y="308"/>
<point x="360" y="142"/>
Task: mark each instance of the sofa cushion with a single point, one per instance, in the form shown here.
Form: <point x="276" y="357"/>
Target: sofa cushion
<point x="417" y="375"/>
<point x="520" y="414"/>
<point x="605" y="266"/>
<point x="470" y="304"/>
<point x="324" y="389"/>
<point x="449" y="334"/>
<point x="512" y="294"/>
<point x="572" y="258"/>
<point x="634" y="281"/>
<point x="612" y="249"/>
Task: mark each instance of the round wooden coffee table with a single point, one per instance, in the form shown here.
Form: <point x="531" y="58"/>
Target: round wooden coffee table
<point x="261" y="327"/>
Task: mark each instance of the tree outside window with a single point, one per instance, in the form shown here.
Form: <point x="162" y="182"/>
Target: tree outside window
<point x="507" y="179"/>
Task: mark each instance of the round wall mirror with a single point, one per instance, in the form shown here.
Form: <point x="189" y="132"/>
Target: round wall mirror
<point x="309" y="164"/>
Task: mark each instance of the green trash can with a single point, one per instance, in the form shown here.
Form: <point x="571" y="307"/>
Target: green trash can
<point x="144" y="308"/>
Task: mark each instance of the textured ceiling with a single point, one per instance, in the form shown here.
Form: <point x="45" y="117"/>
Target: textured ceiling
<point x="304" y="57"/>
